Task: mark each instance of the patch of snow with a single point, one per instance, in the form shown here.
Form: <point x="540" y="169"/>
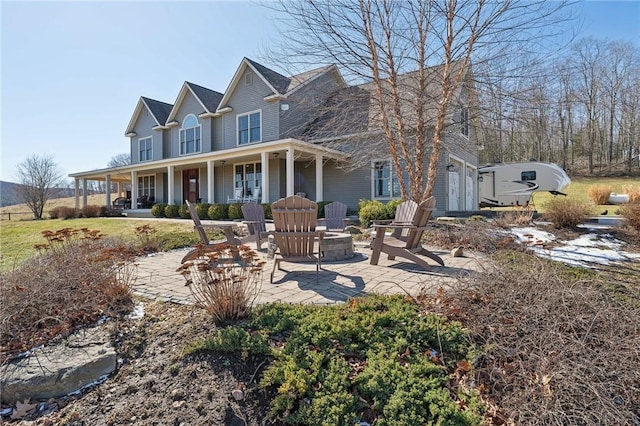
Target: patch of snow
<point x="138" y="312"/>
<point x="586" y="251"/>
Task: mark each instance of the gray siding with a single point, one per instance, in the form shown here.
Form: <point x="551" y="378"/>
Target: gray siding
<point x="247" y="99"/>
<point x="303" y="104"/>
<point x="190" y="105"/>
<point x="143" y="128"/>
<point x="347" y="187"/>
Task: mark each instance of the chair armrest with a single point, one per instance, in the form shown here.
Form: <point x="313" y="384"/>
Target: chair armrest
<point x="382" y="222"/>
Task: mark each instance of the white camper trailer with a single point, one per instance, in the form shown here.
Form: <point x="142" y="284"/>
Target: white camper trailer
<point x="513" y="184"/>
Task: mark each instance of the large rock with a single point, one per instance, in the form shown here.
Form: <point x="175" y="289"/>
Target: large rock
<point x="54" y="371"/>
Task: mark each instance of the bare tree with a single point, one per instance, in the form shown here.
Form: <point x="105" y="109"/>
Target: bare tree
<point x="40" y="178"/>
<point x="119" y="160"/>
<point x="416" y="57"/>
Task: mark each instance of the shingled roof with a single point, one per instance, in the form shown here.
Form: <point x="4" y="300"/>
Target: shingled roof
<point x="277" y="80"/>
<point x="160" y="110"/>
<point x="209" y="98"/>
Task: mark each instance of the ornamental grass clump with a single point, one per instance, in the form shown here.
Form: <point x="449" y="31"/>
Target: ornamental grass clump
<point x="566" y="212"/>
<point x="224" y="281"/>
<point x="599" y="194"/>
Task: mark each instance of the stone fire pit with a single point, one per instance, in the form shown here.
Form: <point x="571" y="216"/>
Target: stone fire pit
<point x="335" y="246"/>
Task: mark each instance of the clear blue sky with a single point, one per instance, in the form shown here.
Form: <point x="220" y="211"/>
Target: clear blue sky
<point x="72" y="72"/>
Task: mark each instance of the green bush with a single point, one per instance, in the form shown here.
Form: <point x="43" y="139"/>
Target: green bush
<point x="267" y="211"/>
<point x="158" y="210"/>
<point x="171" y="211"/>
<point x="202" y="210"/>
<point x="371" y="210"/>
<point x="391" y="206"/>
<point x="321" y="205"/>
<point x="183" y="212"/>
<point x="235" y="211"/>
<point x="375" y="356"/>
<point x="218" y="212"/>
<point x="565" y="212"/>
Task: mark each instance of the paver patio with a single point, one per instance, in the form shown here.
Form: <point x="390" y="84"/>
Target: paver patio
<point x="337" y="281"/>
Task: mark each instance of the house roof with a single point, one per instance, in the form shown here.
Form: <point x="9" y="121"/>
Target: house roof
<point x="159" y="111"/>
<point x="276" y="80"/>
<point x="207" y="98"/>
<point x="354" y="110"/>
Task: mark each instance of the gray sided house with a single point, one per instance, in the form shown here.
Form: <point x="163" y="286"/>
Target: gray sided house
<point x="268" y="136"/>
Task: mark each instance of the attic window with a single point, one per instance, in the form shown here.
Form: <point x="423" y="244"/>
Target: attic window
<point x="464" y="121"/>
<point x="248" y="78"/>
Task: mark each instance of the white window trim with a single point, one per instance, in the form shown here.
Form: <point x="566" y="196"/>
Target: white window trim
<point x="141" y="187"/>
<point x="255" y="164"/>
<point x="247" y="114"/>
<point x="392" y="177"/>
<point x="180" y="153"/>
<point x="248" y="78"/>
<point x="140" y="140"/>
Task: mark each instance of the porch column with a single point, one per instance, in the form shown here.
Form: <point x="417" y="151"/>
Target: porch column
<point x="77" y="193"/>
<point x="319" y="175"/>
<point x="170" y="172"/>
<point x="289" y="171"/>
<point x="108" y="185"/>
<point x="134" y="189"/>
<point x="264" y="184"/>
<point x="84" y="193"/>
<point x="211" y="181"/>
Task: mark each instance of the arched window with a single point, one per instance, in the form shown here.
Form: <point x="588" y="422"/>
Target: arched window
<point x="190" y="135"/>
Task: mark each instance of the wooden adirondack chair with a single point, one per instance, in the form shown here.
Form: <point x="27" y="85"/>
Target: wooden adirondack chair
<point x="254" y="219"/>
<point x="335" y="216"/>
<point x="295" y="232"/>
<point x="198" y="226"/>
<point x="406" y="245"/>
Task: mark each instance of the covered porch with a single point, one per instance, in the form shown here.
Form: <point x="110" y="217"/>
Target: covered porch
<point x="263" y="173"/>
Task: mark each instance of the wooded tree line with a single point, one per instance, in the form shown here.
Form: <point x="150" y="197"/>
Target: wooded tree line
<point x="582" y="111"/>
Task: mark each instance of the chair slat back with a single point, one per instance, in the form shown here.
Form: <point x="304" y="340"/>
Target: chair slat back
<point x="420" y="219"/>
<point x="405" y="213"/>
<point x="335" y="213"/>
<point x="294" y="219"/>
<point x="197" y="224"/>
<point x="254" y="212"/>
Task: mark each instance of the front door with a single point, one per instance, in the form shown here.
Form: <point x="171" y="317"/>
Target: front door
<point x="190" y="186"/>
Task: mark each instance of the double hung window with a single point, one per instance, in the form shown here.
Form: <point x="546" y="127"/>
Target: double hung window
<point x="248" y="178"/>
<point x="385" y="182"/>
<point x="147" y="186"/>
<point x="190" y="142"/>
<point x="145" y="149"/>
<point x="249" y="128"/>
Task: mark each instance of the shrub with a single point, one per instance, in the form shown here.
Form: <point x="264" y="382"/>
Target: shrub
<point x="267" y="211"/>
<point x="599" y="194"/>
<point x="228" y="287"/>
<point x="390" y="207"/>
<point x="518" y="216"/>
<point x="321" y="205"/>
<point x="173" y="240"/>
<point x="171" y="211"/>
<point x="147" y="239"/>
<point x="183" y="211"/>
<point x="65" y="212"/>
<point x="370" y="211"/>
<point x="91" y="211"/>
<point x="566" y="212"/>
<point x="235" y="211"/>
<point x="158" y="210"/>
<point x="54" y="213"/>
<point x="633" y="191"/>
<point x="76" y="277"/>
<point x="631" y="212"/>
<point x="218" y="211"/>
<point x="202" y="210"/>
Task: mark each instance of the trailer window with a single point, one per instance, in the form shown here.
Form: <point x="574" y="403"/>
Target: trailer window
<point x="528" y="175"/>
